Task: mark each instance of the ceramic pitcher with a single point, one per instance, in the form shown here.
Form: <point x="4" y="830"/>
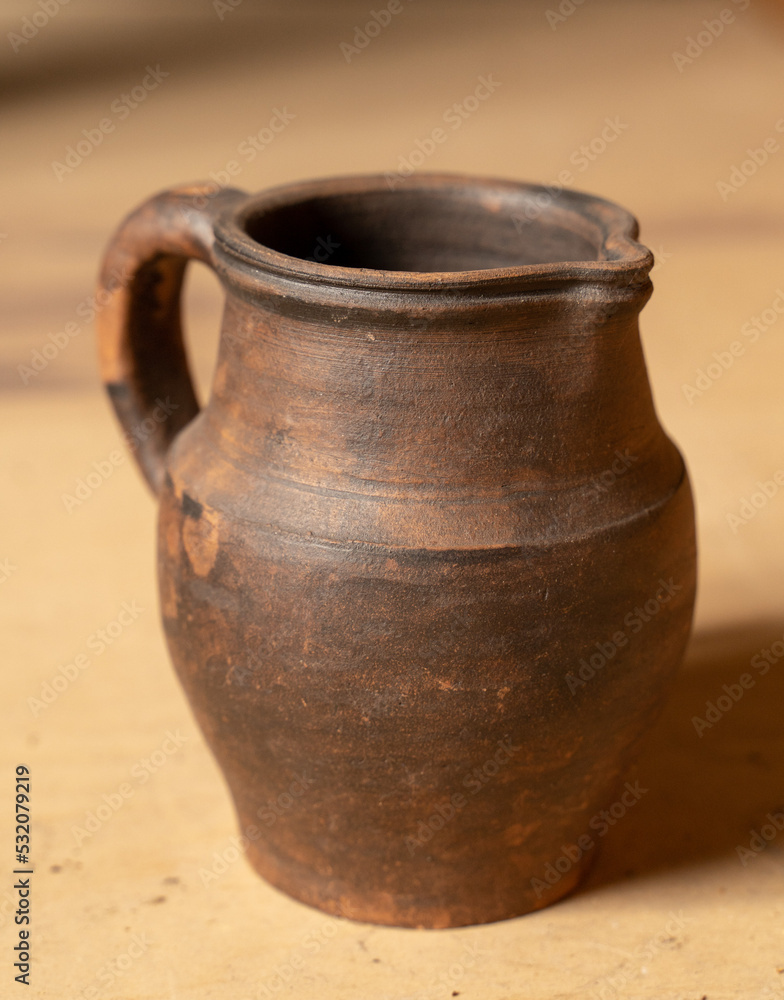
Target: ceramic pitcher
<point x="426" y="555"/>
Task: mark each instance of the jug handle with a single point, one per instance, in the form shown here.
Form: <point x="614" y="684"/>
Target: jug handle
<point x="143" y="361"/>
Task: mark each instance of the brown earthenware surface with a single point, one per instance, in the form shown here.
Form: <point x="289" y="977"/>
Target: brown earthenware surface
<point x="390" y="451"/>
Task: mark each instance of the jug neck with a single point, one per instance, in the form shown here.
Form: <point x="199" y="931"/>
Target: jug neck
<point x="516" y="366"/>
<point x="532" y="392"/>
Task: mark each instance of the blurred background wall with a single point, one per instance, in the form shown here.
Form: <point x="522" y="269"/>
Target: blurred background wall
<point x="691" y="87"/>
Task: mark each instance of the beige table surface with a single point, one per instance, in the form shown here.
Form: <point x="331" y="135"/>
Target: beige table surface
<point x="670" y="909"/>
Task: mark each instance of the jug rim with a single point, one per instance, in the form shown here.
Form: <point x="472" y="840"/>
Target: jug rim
<point x="612" y="230"/>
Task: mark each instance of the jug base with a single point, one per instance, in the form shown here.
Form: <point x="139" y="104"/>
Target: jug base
<point x="462" y="908"/>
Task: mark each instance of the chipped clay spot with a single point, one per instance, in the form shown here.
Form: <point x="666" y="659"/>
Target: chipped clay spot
<point x="191" y="507"/>
<point x="200" y="536"/>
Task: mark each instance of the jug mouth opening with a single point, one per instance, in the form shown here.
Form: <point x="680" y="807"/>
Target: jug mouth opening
<point x="435" y="229"/>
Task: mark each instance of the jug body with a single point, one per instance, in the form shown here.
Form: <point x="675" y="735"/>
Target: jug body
<point x="426" y="556"/>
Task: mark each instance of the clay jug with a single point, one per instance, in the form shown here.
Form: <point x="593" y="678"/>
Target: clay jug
<point x="427" y="557"/>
